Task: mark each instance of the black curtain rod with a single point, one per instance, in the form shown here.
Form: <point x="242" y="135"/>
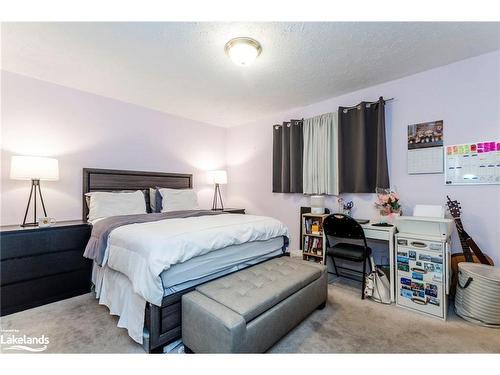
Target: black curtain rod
<point x="369" y="103"/>
<point x="345" y="109"/>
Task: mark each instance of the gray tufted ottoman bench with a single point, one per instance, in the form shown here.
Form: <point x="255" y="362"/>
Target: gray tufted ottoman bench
<point x="250" y="310"/>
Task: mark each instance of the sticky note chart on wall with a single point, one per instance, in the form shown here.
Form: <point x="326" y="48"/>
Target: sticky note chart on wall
<point x="472" y="163"/>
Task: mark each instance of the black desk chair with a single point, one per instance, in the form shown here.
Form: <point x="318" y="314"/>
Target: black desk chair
<point x="345" y="227"/>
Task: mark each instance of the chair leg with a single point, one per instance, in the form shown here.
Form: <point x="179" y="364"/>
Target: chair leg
<point x="334" y="266"/>
<point x="363" y="282"/>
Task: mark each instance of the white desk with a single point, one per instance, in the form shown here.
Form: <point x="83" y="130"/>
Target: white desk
<point x="384" y="234"/>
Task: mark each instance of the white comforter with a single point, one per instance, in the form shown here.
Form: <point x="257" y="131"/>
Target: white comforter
<point x="143" y="251"/>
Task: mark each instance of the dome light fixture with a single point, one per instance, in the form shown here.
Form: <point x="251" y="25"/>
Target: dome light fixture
<point x="243" y="51"/>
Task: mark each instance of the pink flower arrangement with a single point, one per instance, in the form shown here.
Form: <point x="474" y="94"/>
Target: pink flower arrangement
<point x="387" y="201"/>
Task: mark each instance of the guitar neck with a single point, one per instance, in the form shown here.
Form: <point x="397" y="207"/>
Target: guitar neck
<point x="477" y="251"/>
<point x="468" y="243"/>
<point x="463" y="236"/>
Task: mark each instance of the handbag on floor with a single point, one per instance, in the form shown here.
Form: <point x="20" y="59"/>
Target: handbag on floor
<point x="377" y="285"/>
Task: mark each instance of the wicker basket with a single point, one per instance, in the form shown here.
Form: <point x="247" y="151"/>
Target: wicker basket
<point x="478" y="294"/>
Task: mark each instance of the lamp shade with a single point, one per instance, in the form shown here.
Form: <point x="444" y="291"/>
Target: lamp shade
<point x="317" y="204"/>
<point x="34" y="168"/>
<point x="217" y="177"/>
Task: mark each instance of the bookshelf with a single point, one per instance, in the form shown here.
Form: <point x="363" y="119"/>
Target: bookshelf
<point x="313" y="238"/>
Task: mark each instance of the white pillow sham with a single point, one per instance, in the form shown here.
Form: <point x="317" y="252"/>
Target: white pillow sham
<point x="178" y="199"/>
<point x="106" y="204"/>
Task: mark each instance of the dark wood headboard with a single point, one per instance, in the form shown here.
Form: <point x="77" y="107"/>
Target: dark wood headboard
<point x="115" y="179"/>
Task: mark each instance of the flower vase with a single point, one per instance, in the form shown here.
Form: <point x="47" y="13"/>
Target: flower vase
<point x="384" y="216"/>
<point x="389" y="217"/>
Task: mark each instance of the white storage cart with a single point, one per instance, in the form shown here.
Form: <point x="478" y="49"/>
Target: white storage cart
<point x="423" y="264"/>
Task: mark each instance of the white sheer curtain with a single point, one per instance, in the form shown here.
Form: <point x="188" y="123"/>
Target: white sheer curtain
<point x="320" y="164"/>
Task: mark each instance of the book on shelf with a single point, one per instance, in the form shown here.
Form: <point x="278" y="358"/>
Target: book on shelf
<point x="312" y="226"/>
<point x="313" y="245"/>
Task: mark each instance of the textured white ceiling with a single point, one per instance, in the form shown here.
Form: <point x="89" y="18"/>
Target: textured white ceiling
<point x="181" y="68"/>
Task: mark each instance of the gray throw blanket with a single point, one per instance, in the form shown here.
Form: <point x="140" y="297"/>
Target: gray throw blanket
<point x="98" y="241"/>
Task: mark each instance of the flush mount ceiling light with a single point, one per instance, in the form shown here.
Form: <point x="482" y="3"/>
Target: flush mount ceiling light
<point x="243" y="51"/>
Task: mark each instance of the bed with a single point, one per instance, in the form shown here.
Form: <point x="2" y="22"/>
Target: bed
<point x="162" y="319"/>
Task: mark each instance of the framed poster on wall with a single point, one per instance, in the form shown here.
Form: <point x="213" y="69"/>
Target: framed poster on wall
<point x="425" y="147"/>
<point x="473" y="163"/>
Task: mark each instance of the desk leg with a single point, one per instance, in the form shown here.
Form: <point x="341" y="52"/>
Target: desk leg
<point x="392" y="272"/>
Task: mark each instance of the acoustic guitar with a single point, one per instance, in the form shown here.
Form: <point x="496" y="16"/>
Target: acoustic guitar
<point x="470" y="251"/>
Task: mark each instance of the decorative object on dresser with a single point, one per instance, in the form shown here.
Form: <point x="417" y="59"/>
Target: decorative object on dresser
<point x="43" y="265"/>
<point x="217" y="178"/>
<point x="467" y="243"/>
<point x="35" y="169"/>
<point x="313" y="237"/>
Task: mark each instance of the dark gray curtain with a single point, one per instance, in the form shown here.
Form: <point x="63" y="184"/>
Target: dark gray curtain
<point x="288" y="151"/>
<point x="362" y="148"/>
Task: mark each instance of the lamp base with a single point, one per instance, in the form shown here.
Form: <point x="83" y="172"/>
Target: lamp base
<point x="29" y="225"/>
<point x="217" y="198"/>
<point x="35" y="185"/>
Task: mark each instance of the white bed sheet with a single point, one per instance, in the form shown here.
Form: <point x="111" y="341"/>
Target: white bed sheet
<point x="143" y="251"/>
<point x="184" y="275"/>
<point x="114" y="290"/>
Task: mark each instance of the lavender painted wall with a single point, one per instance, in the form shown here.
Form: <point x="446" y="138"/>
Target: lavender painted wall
<point x="466" y="95"/>
<point x="87" y="130"/>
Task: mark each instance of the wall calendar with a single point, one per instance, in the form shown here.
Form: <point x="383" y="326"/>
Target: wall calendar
<point x="425" y="147"/>
<point x="473" y="163"/>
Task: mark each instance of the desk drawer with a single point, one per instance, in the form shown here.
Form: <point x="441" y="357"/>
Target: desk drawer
<point x="20" y="269"/>
<point x="376" y="234"/>
<point x="21" y="244"/>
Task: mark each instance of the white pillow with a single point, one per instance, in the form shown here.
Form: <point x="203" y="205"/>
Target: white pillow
<point x="106" y="204"/>
<point x="178" y="199"/>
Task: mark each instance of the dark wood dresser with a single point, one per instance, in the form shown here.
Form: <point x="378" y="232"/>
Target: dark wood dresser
<point x="43" y="265"/>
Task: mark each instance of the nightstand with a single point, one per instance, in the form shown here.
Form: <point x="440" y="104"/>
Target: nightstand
<point x="234" y="210"/>
<point x="43" y="265"/>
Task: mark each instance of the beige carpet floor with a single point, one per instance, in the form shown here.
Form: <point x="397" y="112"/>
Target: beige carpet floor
<point x="346" y="325"/>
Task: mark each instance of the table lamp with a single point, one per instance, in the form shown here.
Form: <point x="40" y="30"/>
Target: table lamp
<point x="218" y="178"/>
<point x="317" y="204"/>
<point x="35" y="169"/>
